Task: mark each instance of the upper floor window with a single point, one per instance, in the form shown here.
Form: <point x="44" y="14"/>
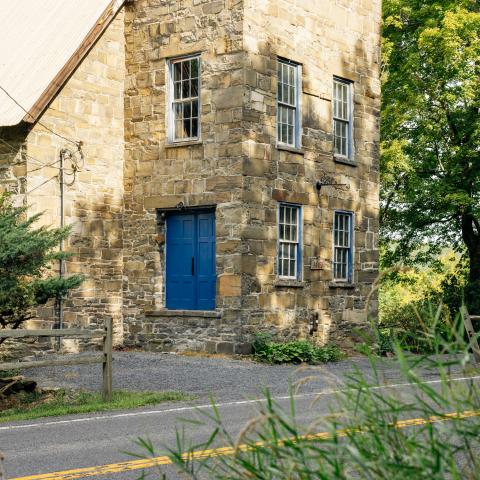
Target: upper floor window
<point x="342" y="118"/>
<point x="343" y="246"/>
<point x="288" y="103"/>
<point x="184" y="108"/>
<point x="289" y="246"/>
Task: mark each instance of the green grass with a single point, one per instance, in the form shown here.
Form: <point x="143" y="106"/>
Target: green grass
<point x="64" y="402"/>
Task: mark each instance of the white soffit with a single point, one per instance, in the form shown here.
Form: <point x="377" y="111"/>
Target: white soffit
<point x="37" y="38"/>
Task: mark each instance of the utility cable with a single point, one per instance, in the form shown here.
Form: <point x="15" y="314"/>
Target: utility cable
<point x="38" y="121"/>
<point x="52" y="164"/>
<point x="41" y="184"/>
<point x="15" y="151"/>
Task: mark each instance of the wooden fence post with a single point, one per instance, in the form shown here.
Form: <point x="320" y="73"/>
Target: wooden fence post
<point x="467" y="319"/>
<point x="3" y="475"/>
<point x="107" y="360"/>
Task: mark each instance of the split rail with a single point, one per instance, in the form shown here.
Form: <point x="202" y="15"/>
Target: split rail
<point x="467" y="320"/>
<point x="105" y="358"/>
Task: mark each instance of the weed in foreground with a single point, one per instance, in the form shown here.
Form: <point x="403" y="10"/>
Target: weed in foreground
<point x="423" y="431"/>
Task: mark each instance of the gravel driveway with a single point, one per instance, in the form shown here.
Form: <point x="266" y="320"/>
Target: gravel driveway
<point x="225" y="378"/>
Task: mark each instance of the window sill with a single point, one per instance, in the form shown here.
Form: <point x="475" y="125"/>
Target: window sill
<point x="284" y="282"/>
<point x="287" y="148"/>
<point x="345" y="161"/>
<point x="346" y="285"/>
<point x="183" y="313"/>
<point x="187" y="143"/>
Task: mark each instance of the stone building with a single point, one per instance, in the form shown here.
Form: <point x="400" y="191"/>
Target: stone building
<point x="227" y="177"/>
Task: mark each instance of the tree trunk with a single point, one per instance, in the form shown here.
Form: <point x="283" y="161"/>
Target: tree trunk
<point x="471" y="237"/>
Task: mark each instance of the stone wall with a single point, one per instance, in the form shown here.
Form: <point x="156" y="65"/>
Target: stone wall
<point x="238" y="168"/>
<point x="116" y="104"/>
<point x="327" y="38"/>
<point x="160" y="176"/>
<point x="89" y="108"/>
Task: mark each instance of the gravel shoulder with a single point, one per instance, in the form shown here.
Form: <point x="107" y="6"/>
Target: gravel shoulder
<point x="222" y="378"/>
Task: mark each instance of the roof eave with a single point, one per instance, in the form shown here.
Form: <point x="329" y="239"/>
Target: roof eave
<point x="74" y="61"/>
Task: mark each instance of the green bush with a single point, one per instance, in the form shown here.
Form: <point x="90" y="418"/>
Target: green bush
<point x="298" y="351"/>
<point x="420" y="300"/>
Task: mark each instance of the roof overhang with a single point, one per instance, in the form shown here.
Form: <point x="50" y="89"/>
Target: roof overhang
<point x="43" y="42"/>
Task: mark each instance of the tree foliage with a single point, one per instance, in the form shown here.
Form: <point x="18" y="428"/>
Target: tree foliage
<point x="26" y="255"/>
<point x="431" y="130"/>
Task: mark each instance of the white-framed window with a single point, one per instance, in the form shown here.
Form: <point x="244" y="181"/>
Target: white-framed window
<point x="343" y="246"/>
<point x="289" y="241"/>
<point x="342" y="118"/>
<point x="184" y="99"/>
<point x="288" y="103"/>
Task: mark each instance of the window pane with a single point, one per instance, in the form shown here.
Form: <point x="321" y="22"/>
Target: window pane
<point x="284" y="134"/>
<point x="187" y="110"/>
<point x="178" y="109"/>
<point x="179" y="129"/>
<point x="186" y="89"/>
<point x="194" y="127"/>
<point x="291" y="96"/>
<point x="342" y="246"/>
<point x="290" y="135"/>
<point x="186" y="70"/>
<point x="177" y="90"/>
<point x="194" y="67"/>
<point x="287" y="96"/>
<point x="288" y="249"/>
<point x="342" y="128"/>
<point x="177" y="71"/>
<point x="194" y="88"/>
<point x="186" y="84"/>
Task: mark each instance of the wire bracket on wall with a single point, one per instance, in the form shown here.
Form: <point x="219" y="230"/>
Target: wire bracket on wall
<point x="328" y="181"/>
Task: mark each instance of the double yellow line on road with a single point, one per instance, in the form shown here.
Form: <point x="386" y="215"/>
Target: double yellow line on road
<point x="128" y="466"/>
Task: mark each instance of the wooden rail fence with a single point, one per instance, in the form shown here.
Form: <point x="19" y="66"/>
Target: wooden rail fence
<point x="3" y="475"/>
<point x="105" y="358"/>
<point x="467" y="320"/>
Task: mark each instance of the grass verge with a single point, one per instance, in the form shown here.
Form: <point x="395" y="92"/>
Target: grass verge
<point x="28" y="406"/>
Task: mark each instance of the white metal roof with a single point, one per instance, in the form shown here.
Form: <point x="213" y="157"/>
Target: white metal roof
<point x="37" y="38"/>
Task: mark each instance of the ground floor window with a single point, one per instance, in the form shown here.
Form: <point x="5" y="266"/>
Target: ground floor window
<point x="343" y="246"/>
<point x="289" y="244"/>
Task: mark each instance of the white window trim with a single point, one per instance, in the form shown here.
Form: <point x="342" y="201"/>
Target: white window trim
<point x="170" y="116"/>
<point x="351" y="147"/>
<point x="298" y="109"/>
<point x="299" y="270"/>
<point x="351" y="267"/>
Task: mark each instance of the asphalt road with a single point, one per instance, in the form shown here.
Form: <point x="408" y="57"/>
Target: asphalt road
<point x="50" y="445"/>
<point x="62" y="444"/>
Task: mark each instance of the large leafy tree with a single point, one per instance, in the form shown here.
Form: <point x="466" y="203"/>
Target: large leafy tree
<point x="431" y="131"/>
<point x="26" y="255"/>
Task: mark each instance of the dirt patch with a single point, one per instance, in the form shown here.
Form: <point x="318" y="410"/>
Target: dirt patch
<point x="26" y="400"/>
<point x="224" y="356"/>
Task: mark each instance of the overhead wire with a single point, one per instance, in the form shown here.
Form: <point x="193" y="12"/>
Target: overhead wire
<point x="41" y="184"/>
<point x="15" y="150"/>
<point x="42" y="164"/>
<point x="77" y="143"/>
<point x="75" y="163"/>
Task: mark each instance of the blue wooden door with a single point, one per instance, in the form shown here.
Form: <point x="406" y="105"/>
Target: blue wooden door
<point x="190" y="266"/>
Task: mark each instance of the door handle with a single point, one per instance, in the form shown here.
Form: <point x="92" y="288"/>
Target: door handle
<point x="193" y="266"/>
